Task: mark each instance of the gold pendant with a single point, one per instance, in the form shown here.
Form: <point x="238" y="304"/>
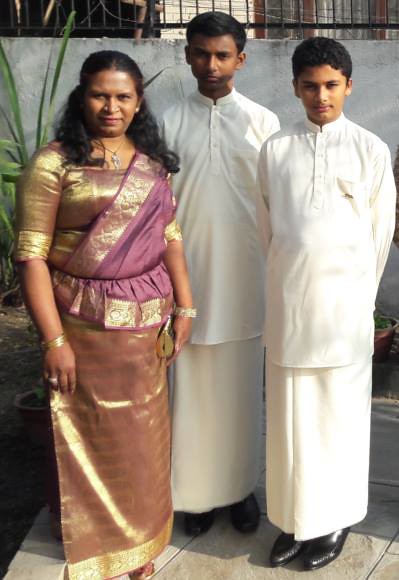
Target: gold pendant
<point x="116" y="161"/>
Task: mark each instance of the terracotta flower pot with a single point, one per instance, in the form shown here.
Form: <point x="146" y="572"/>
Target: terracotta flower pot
<point x="383" y="339"/>
<point x="35" y="417"/>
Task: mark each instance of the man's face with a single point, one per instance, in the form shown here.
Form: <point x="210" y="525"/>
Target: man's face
<point x="322" y="90"/>
<point x="213" y="61"/>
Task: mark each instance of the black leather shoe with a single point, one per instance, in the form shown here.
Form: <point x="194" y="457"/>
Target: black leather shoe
<point x="195" y="524"/>
<point x="285" y="549"/>
<point x="321" y="551"/>
<point x="245" y="514"/>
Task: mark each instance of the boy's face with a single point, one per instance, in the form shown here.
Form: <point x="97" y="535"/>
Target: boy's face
<point x="322" y="90"/>
<point x="213" y="61"/>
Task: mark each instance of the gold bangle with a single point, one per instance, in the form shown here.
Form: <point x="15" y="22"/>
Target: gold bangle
<point x="185" y="312"/>
<point x="54" y="343"/>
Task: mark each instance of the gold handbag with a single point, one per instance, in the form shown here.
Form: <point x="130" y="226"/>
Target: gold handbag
<point x="165" y="342"/>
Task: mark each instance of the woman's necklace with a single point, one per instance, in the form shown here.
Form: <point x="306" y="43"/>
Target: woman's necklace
<point x="116" y="160"/>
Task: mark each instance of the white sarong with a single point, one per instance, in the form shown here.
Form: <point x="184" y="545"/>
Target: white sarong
<point x="216" y="424"/>
<point x="317" y="447"/>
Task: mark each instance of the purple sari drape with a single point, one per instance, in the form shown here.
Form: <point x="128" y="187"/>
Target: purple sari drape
<point x="116" y="275"/>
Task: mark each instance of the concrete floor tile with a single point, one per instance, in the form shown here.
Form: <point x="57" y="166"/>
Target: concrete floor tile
<point x="384" y="465"/>
<point x="29" y="573"/>
<point x="387" y="569"/>
<point x="39" y="549"/>
<point x="224" y="554"/>
<point x="394" y="547"/>
<point x="178" y="542"/>
<point x="382" y="520"/>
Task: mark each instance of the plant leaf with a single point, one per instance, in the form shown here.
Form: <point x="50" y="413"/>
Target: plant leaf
<point x="14" y="101"/>
<point x="152" y="79"/>
<point x="7" y="144"/>
<point x="5" y="219"/>
<point x="9" y="168"/>
<point x="57" y="72"/>
<point x="41" y="106"/>
<point x="9" y="124"/>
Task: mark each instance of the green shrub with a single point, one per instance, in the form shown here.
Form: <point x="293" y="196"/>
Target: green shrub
<point x="14" y="155"/>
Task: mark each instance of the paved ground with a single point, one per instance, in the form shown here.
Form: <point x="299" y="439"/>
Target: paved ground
<point x="371" y="551"/>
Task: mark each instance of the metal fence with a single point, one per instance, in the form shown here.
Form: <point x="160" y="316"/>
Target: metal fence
<point x="378" y="19"/>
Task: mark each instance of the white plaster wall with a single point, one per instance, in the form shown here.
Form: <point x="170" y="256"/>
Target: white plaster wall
<point x="266" y="78"/>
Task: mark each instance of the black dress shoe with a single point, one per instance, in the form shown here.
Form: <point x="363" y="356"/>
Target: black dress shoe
<point x="195" y="524"/>
<point x="285" y="549"/>
<point x="245" y="514"/>
<point x="321" y="551"/>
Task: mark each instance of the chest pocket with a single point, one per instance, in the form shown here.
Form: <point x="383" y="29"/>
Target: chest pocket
<point x="355" y="193"/>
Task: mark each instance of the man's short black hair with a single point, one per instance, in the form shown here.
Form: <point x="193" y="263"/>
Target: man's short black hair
<point x="319" y="50"/>
<point x="217" y="24"/>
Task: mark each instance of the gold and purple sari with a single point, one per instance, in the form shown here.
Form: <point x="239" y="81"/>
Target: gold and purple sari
<point x="104" y="233"/>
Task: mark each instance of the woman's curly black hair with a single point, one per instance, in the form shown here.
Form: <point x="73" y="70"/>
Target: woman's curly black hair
<point x="71" y="130"/>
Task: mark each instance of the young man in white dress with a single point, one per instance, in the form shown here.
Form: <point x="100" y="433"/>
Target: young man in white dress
<point x="217" y="380"/>
<point x="326" y="209"/>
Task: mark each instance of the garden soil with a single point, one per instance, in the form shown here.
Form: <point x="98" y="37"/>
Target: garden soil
<point x="22" y="463"/>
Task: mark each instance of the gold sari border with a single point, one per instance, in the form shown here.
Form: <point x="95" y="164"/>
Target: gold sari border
<point x="111" y="313"/>
<point x="118" y="563"/>
<point x="127" y="314"/>
<point x="31" y="244"/>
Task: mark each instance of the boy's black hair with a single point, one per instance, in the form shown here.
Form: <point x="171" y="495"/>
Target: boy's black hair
<point x="319" y="50"/>
<point x="217" y="24"/>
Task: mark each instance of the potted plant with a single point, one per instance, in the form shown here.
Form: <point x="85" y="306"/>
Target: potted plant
<point x="34" y="410"/>
<point x="384" y="332"/>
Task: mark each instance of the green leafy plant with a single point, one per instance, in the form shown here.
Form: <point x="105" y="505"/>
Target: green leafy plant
<point x="40" y="399"/>
<point x="9" y="171"/>
<point x="381" y="322"/>
<point x="14" y="153"/>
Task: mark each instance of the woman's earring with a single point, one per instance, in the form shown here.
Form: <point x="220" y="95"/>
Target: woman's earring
<point x="137" y="109"/>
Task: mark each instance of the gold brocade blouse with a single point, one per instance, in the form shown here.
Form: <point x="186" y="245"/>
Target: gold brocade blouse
<point x="56" y="205"/>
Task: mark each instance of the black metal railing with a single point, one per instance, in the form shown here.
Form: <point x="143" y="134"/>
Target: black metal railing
<point x="148" y="18"/>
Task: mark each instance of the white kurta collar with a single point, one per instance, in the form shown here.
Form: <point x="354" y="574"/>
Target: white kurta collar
<point x="226" y="100"/>
<point x="328" y="127"/>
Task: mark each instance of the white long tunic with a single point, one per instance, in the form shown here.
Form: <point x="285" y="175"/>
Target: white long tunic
<point x="326" y="211"/>
<point x="219" y="145"/>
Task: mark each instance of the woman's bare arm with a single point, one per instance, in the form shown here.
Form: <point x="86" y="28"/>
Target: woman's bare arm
<point x="38" y="295"/>
<point x="176" y="265"/>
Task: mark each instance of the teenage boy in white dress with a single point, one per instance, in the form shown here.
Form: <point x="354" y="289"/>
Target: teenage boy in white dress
<point x="217" y="380"/>
<point x="326" y="217"/>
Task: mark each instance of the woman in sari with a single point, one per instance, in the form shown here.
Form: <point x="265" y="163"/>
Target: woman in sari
<point x="101" y="266"/>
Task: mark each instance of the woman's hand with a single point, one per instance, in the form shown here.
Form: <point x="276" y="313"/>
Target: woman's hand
<point x="59" y="364"/>
<point x="182" y="329"/>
